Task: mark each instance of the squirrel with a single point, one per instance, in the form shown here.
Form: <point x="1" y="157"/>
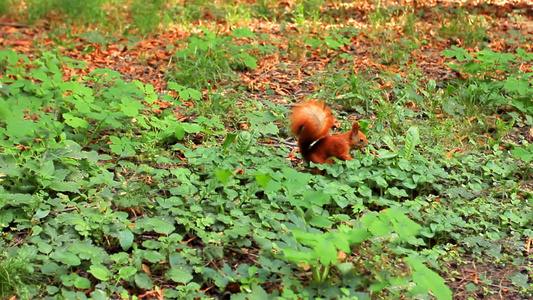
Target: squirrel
<point x="311" y="123"/>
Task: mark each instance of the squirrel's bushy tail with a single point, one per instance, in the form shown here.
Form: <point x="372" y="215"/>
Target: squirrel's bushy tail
<point x="310" y="121"/>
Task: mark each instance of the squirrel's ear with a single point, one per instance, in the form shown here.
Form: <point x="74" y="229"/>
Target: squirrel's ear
<point x="356" y="126"/>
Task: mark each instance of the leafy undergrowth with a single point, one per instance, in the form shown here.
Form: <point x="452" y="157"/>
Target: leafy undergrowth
<point x="114" y="186"/>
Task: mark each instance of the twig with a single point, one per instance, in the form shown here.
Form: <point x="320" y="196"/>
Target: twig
<point x="279" y="140"/>
<point x="14" y="25"/>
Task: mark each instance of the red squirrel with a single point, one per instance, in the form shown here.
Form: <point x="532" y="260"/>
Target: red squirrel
<point x="312" y="121"/>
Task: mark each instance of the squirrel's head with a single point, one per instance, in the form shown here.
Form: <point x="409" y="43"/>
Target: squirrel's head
<point x="357" y="139"/>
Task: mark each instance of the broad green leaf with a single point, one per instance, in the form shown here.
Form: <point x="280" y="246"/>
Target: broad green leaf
<point x="326" y="252"/>
<point x="385" y="154"/>
<point x="65" y="186"/>
<point x="321" y="221"/>
<point x="6" y="216"/>
<point x="82" y="283"/>
<point x="125" y="238"/>
<point x="127" y="272"/>
<point x="179" y="276"/>
<point x="357" y="235"/>
<point x="131" y="107"/>
<point x="99" y="272"/>
<point x="179" y="131"/>
<point x="520" y="280"/>
<point x="66" y="257"/>
<point x="263" y="179"/>
<point x="47" y="169"/>
<point x="194" y="94"/>
<point x="403" y="226"/>
<point x="244" y="141"/>
<point x="223" y="175"/>
<point x="75" y="122"/>
<point x="317" y="197"/>
<point x="174" y="86"/>
<point x="39" y="214"/>
<point x="457" y="52"/>
<point x="44" y="247"/>
<point x="297" y="256"/>
<point x="143" y="281"/>
<point x="427" y="280"/>
<point x="192" y="127"/>
<point x="364" y="190"/>
<point x="375" y="225"/>
<point x="412" y="139"/>
<point x="244" y="32"/>
<point x="381" y="181"/>
<point x="258" y="292"/>
<point x="397" y="192"/>
<point x="157" y="225"/>
<point x="250" y="62"/>
<point x="522" y="153"/>
<point x="230" y="138"/>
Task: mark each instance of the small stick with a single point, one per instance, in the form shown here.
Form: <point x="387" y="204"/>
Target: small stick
<point x="14" y="25"/>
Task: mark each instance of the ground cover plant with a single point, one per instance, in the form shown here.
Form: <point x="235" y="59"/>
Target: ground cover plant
<point x="144" y="150"/>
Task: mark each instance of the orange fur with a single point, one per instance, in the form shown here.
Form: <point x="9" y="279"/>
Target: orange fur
<point x="312" y="121"/>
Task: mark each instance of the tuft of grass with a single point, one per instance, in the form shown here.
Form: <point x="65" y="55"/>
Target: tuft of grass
<point x="209" y="59"/>
<point x="77" y="11"/>
<point x="471" y="29"/>
<point x="237" y="14"/>
<point x="5" y="7"/>
<point x="147" y="16"/>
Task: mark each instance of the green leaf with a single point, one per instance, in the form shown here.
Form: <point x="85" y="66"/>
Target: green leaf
<point x="6" y="216"/>
<point x="244" y="32"/>
<point x="230" y="137"/>
<point x="156" y="225"/>
<point x="523" y="154"/>
<point x="191" y="127"/>
<point x="127" y="272"/>
<point x="250" y="62"/>
<point x="380" y="181"/>
<point x="520" y="280"/>
<point x="263" y="179"/>
<point x="174" y="86"/>
<point x="321" y="221"/>
<point x="244" y="141"/>
<point x="195" y="94"/>
<point x="258" y="292"/>
<point x="82" y="283"/>
<point x="427" y="280"/>
<point x="412" y="139"/>
<point x="99" y="272"/>
<point x="179" y="276"/>
<point x="317" y="197"/>
<point x="375" y="225"/>
<point x="357" y="235"/>
<point x="326" y="252"/>
<point x="130" y="107"/>
<point x="223" y="175"/>
<point x="179" y="132"/>
<point x="66" y="257"/>
<point x="75" y="122"/>
<point x="47" y="169"/>
<point x="399" y="193"/>
<point x="457" y="52"/>
<point x="297" y="256"/>
<point x="125" y="238"/>
<point x="364" y="190"/>
<point x="39" y="214"/>
<point x="385" y="154"/>
<point x="403" y="226"/>
<point x="65" y="186"/>
<point x="143" y="281"/>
